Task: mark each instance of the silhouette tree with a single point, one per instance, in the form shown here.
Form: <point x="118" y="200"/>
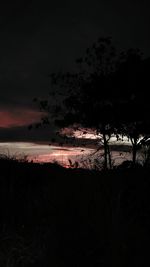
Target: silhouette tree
<point x="88" y="93"/>
<point x="102" y="94"/>
<point x="136" y="133"/>
<point x="132" y="108"/>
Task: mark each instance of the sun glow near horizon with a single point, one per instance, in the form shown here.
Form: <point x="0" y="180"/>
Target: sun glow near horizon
<point x="42" y="152"/>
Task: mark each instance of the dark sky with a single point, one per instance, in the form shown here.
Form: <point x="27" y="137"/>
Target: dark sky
<point x="39" y="38"/>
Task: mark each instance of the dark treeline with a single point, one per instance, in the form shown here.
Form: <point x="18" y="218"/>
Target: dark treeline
<point x="108" y="92"/>
<point x="52" y="216"/>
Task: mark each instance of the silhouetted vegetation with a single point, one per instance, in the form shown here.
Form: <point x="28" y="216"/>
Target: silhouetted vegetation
<point x="54" y="216"/>
<point x="108" y="93"/>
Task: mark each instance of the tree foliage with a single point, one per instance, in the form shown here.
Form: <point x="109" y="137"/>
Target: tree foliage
<point x="102" y="94"/>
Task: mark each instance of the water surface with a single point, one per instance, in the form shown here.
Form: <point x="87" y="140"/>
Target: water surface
<point x="43" y="152"/>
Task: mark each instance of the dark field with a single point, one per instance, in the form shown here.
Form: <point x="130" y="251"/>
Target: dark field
<point x="50" y="216"/>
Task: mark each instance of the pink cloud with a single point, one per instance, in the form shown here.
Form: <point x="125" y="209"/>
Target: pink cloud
<point x="18" y="117"/>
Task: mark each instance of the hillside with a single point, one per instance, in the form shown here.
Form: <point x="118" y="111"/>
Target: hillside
<point x="53" y="216"/>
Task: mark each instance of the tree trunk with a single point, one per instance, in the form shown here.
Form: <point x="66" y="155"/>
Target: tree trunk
<point x="105" y="152"/>
<point x="134" y="152"/>
<point x="109" y="156"/>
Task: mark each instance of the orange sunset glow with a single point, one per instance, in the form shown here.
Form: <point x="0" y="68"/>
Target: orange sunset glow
<point x="18" y="117"/>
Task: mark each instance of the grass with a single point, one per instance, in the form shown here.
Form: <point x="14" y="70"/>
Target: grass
<point x="51" y="216"/>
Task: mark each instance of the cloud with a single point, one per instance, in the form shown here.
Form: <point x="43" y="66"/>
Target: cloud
<point x="18" y="117"/>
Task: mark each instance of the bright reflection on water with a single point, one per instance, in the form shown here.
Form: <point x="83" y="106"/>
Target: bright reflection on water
<point x="45" y="153"/>
<point x="42" y="152"/>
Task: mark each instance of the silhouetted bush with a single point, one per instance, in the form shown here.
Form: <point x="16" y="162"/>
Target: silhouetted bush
<point x="53" y="216"/>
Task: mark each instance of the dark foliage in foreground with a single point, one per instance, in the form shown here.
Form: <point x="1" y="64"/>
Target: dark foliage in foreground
<point x="52" y="216"/>
<point x="107" y="93"/>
